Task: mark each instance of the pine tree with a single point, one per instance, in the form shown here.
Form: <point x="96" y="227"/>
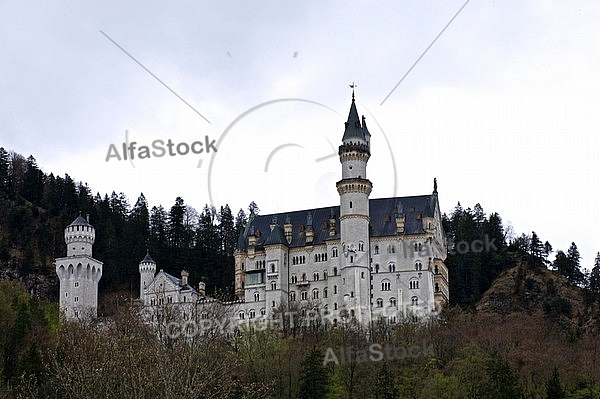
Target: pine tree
<point x="594" y="280"/>
<point x="4" y="166"/>
<point x="176" y="232"/>
<point x="553" y="388"/>
<point x="227" y="230"/>
<point x="313" y="376"/>
<point x="574" y="274"/>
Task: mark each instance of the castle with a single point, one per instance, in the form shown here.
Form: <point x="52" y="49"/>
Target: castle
<point x="364" y="259"/>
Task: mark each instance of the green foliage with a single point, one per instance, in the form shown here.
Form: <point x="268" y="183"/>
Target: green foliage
<point x="554" y="390"/>
<point x="313" y="376"/>
<point x="472" y="272"/>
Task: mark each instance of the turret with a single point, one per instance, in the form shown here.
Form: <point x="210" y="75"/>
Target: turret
<point x="79" y="237"/>
<point x="147" y="269"/>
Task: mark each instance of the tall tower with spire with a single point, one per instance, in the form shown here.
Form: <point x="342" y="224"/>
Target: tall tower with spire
<point x="147" y="270"/>
<point x="354" y="190"/>
<point x="78" y="272"/>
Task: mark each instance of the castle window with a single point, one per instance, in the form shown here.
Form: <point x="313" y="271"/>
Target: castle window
<point x="379" y="302"/>
<point x="256" y="297"/>
<point x="294" y="279"/>
<point x="376" y="249"/>
<point x="335" y="306"/>
<point x="335" y="271"/>
<point x="241" y="315"/>
<point x="334" y="252"/>
<point x="414" y="301"/>
<point x="170" y="299"/>
<point x="325" y="292"/>
<point x="325" y="274"/>
<point x="335" y="289"/>
<point x="316" y="276"/>
<point x="376" y="268"/>
<point x="352" y="259"/>
<point x="153" y="301"/>
<point x="362" y="274"/>
<point x="273" y="285"/>
<point x="385" y="285"/>
<point x="361" y="246"/>
<point x="263" y="312"/>
<point x="272" y="268"/>
<point x="437" y="287"/>
<point x="304" y="295"/>
<point x="350" y="204"/>
<point x="315" y="294"/>
<point x="76" y="299"/>
<point x="303" y="276"/>
<point x="392" y="268"/>
<point x="292" y="296"/>
<point x="251" y="314"/>
<point x="76" y="284"/>
<point x="393" y="302"/>
<point x="418" y="265"/>
<point x="413" y="284"/>
<point x="435" y="270"/>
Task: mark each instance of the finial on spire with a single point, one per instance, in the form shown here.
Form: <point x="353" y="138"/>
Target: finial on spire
<point x="435" y="185"/>
<point x="352" y="86"/>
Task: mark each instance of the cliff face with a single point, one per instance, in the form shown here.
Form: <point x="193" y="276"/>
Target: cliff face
<point x="541" y="293"/>
<point x="42" y="286"/>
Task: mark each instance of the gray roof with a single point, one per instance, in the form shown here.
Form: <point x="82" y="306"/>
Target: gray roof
<point x="80" y="221"/>
<point x="382" y="212"/>
<point x="147" y="258"/>
<point x="353" y="128"/>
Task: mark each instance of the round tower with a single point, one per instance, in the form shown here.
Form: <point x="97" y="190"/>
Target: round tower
<point x="354" y="190"/>
<point x="147" y="272"/>
<point x="78" y="272"/>
<point x="79" y="237"/>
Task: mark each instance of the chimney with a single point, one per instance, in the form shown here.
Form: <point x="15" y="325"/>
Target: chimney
<point x="184" y="277"/>
<point x="309" y="229"/>
<point x="202" y="289"/>
<point x="87" y="217"/>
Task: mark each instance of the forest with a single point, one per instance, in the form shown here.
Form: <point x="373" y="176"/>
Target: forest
<point x="523" y="319"/>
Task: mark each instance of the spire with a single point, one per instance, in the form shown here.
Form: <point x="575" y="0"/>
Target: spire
<point x="147" y="258"/>
<point x="353" y="129"/>
<point x="435" y="185"/>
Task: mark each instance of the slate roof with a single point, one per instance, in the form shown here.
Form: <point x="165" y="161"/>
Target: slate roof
<point x="147" y="259"/>
<point x="382" y="212"/>
<point x="353" y="128"/>
<point x="80" y="221"/>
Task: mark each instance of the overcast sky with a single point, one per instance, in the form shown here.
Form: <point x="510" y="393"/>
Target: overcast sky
<point x="502" y="109"/>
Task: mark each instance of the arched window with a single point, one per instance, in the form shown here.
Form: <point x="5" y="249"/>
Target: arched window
<point x="392" y="268"/>
<point x="385" y="285"/>
<point x="379" y="302"/>
<point x="376" y="250"/>
<point x="393" y="302"/>
<point x="292" y="296"/>
<point x="294" y="279"/>
<point x="418" y="265"/>
<point x="335" y="306"/>
<point x="335" y="289"/>
<point x="376" y="268"/>
<point x="315" y="294"/>
<point x="325" y="292"/>
<point x="272" y="268"/>
<point x="316" y="276"/>
<point x="304" y="295"/>
<point x="414" y="301"/>
<point x="361" y="246"/>
<point x="413" y="284"/>
<point x="251" y="314"/>
<point x="256" y="297"/>
<point x="273" y="285"/>
<point x="241" y="315"/>
<point x="335" y="271"/>
<point x="334" y="252"/>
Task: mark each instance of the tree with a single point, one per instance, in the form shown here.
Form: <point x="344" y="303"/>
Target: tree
<point x="33" y="182"/>
<point x="575" y="273"/>
<point x="553" y="388"/>
<point x="313" y="376"/>
<point x="536" y="248"/>
<point x="253" y="208"/>
<point x="177" y="233"/>
<point x="4" y="167"/>
<point x="594" y="280"/>
<point x="227" y="230"/>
